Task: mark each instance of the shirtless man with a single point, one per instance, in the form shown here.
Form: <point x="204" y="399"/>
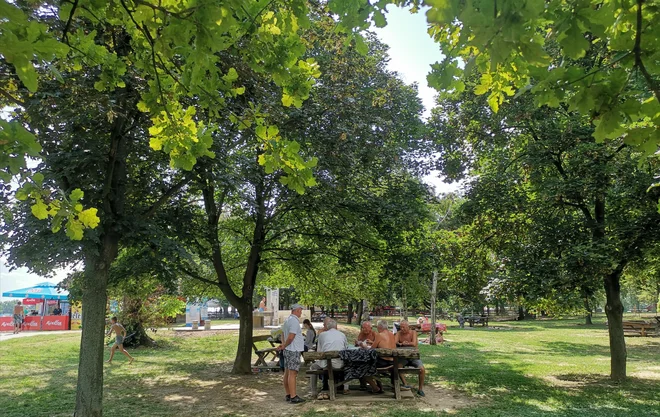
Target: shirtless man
<point x="407" y="338"/>
<point x="18" y="317"/>
<point x="384" y="340"/>
<point x="367" y="335"/>
<point x="120" y="335"/>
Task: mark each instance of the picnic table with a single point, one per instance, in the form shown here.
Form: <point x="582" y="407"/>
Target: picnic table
<point x="393" y="370"/>
<point x="640" y="327"/>
<point x="472" y="320"/>
<point x="262" y="354"/>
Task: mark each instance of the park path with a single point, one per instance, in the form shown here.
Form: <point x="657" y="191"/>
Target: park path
<point x="8" y="336"/>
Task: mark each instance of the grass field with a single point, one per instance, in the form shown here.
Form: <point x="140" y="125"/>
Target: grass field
<point x="536" y="368"/>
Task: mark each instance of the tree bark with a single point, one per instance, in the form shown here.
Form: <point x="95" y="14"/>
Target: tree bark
<point x="405" y="303"/>
<point x="89" y="390"/>
<point x="614" y="311"/>
<point x="587" y="307"/>
<point x="349" y="314"/>
<point x="360" y="305"/>
<point x="243" y="361"/>
<point x="521" y="313"/>
<point x="434" y="290"/>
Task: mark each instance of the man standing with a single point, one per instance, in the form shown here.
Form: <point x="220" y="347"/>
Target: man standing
<point x="292" y="347"/>
<point x="120" y="335"/>
<point x="18" y="317"/>
<point x="407" y="338"/>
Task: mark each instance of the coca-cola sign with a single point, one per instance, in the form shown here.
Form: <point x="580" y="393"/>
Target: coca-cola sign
<point x="53" y="323"/>
<point x="6" y="323"/>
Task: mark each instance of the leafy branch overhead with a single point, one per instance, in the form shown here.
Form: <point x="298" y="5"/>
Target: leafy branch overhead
<point x="508" y="42"/>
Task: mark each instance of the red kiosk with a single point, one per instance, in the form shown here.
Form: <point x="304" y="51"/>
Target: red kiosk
<point x="44" y="295"/>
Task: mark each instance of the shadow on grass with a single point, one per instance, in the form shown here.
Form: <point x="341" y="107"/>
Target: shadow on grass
<point x="508" y="391"/>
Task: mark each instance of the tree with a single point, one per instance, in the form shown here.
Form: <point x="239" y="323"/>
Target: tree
<point x="562" y="211"/>
<point x="144" y="60"/>
<point x="509" y="44"/>
<point x="356" y="125"/>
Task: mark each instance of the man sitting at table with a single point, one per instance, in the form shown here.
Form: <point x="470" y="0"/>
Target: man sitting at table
<point x="367" y="334"/>
<point x="384" y="340"/>
<point x="407" y="338"/>
<point x="329" y="340"/>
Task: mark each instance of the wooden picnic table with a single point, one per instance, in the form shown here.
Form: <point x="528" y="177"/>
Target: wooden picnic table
<point x="640" y="327"/>
<point x="472" y="320"/>
<point x="393" y="369"/>
<point x="262" y="354"/>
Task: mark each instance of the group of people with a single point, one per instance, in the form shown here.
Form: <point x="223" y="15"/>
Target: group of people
<point x="296" y="340"/>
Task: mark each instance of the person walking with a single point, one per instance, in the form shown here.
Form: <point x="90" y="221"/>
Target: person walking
<point x="120" y="335"/>
<point x="18" y="317"/>
<point x="293" y="345"/>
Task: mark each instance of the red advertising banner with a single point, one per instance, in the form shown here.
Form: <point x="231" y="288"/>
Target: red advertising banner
<point x="55" y="323"/>
<point x="32" y="323"/>
<point x="6" y="324"/>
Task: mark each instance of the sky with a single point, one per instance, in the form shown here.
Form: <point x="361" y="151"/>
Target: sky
<point x="411" y="53"/>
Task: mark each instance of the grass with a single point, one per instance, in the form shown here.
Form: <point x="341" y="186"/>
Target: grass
<point x="536" y="368"/>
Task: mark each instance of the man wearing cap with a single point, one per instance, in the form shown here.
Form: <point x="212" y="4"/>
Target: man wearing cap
<point x="292" y="348"/>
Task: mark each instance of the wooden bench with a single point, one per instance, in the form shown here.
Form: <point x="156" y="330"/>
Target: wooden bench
<point x="639" y="327"/>
<point x="393" y="371"/>
<point x="262" y="354"/>
<point x="472" y="320"/>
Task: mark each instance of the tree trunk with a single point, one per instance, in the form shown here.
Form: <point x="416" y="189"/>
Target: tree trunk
<point x="614" y="311"/>
<point x="587" y="307"/>
<point x="243" y="361"/>
<point x="404" y="301"/>
<point x="521" y="313"/>
<point x="349" y="314"/>
<point x="360" y="305"/>
<point x="89" y="390"/>
<point x="365" y="310"/>
<point x="434" y="290"/>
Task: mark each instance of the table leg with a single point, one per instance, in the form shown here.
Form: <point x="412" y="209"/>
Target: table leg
<point x="331" y="381"/>
<point x="314" y="383"/>
<point x="397" y="382"/>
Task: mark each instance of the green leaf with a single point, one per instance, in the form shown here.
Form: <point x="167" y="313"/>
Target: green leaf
<point x="40" y="210"/>
<point x="574" y="43"/>
<point x="89" y="218"/>
<point x="360" y="45"/>
<point x="38" y="178"/>
<point x="379" y="19"/>
<point x="287" y="100"/>
<point x="76" y="195"/>
<point x="231" y="75"/>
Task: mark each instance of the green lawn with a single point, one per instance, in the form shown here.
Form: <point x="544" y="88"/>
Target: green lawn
<point x="535" y="368"/>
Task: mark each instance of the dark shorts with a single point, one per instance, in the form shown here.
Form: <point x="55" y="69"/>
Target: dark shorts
<point x="415" y="363"/>
<point x="382" y="363"/>
<point x="18" y="319"/>
<point x="291" y="359"/>
<point x="119" y="340"/>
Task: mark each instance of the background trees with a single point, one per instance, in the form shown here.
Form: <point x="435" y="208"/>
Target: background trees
<point x="563" y="213"/>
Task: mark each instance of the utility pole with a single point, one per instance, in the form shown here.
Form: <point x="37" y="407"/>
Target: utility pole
<point x="434" y="290"/>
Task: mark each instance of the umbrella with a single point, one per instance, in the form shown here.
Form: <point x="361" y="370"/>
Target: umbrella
<point x="43" y="291"/>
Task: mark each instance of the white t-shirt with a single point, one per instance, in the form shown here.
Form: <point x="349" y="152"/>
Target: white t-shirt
<point x="292" y="325"/>
<point x="330" y="340"/>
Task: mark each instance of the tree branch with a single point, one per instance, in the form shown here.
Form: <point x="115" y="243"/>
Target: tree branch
<point x="637" y="50"/>
<point x="65" y="36"/>
<point x="165" y="197"/>
<point x="12" y="98"/>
